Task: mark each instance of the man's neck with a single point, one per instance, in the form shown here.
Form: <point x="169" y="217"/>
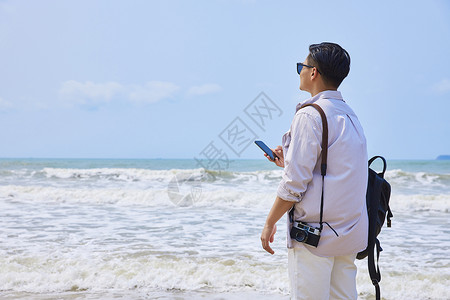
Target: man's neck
<point x="319" y="89"/>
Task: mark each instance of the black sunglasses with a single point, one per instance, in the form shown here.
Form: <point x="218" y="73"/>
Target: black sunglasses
<point x="300" y="66"/>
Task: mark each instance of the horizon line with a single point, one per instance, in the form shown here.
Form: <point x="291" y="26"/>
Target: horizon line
<point x="162" y="158"/>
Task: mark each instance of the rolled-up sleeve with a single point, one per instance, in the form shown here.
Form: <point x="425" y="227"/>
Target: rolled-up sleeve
<point x="301" y="148"/>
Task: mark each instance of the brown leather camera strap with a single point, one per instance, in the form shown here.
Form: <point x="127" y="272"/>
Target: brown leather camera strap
<point x="323" y="166"/>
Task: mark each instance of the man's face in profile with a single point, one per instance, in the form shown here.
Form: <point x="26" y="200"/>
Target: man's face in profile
<point x="304" y="83"/>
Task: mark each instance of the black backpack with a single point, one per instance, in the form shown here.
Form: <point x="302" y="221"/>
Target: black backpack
<point x="377" y="198"/>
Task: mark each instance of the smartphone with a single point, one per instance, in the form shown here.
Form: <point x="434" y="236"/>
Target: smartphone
<point x="266" y="149"/>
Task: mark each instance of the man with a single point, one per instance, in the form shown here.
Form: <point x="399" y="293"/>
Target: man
<point x="328" y="270"/>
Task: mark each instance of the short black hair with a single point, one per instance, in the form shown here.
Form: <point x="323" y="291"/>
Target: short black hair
<point x="332" y="61"/>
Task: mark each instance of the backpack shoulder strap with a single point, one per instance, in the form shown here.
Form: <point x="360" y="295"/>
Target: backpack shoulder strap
<point x="373" y="243"/>
<point x="384" y="164"/>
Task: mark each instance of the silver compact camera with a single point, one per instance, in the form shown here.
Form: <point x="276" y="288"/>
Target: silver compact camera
<point x="303" y="233"/>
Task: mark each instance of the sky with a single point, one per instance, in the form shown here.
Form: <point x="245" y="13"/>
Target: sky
<point x="203" y="79"/>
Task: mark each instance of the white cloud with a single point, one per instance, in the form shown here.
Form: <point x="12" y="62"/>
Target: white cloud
<point x="74" y="92"/>
<point x="152" y="91"/>
<point x="89" y="92"/>
<point x="4" y="105"/>
<point x="204" y="89"/>
<point x="442" y="86"/>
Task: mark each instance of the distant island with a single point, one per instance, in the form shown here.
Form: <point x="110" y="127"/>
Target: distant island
<point x="443" y="157"/>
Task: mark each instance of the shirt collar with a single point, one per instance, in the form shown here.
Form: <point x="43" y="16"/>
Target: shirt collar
<point x="322" y="95"/>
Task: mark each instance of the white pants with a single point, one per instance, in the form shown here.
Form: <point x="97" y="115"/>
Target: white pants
<point x="321" y="278"/>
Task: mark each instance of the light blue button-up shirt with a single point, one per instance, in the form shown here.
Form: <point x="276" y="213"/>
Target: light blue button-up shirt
<point x="345" y="182"/>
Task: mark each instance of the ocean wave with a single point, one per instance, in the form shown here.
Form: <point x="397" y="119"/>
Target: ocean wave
<point x="187" y="187"/>
<point x="201" y="196"/>
<point x="399" y="179"/>
<point x="140" y="175"/>
<point x="439" y="203"/>
<point x="80" y="195"/>
<point x="418" y="180"/>
<point x="146" y="272"/>
<point x="118" y="174"/>
<point x="222" y="197"/>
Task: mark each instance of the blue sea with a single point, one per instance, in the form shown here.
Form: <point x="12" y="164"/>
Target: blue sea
<point x="170" y="229"/>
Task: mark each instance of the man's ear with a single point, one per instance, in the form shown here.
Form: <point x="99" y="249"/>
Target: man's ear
<point x="314" y="73"/>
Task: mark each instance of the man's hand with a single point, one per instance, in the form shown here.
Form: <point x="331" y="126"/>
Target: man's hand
<point x="279" y="208"/>
<point x="279" y="161"/>
<point x="267" y="237"/>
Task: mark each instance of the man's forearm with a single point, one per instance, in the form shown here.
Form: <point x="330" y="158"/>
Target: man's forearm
<point x="279" y="208"/>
